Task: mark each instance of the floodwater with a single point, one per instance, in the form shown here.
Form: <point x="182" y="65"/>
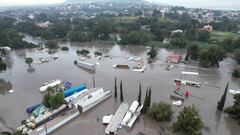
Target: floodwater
<point x="26" y="83"/>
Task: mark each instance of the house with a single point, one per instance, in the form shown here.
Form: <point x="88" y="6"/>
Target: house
<point x="44" y="24"/>
<point x="173" y="58"/>
<point x="176" y="31"/>
<point x="208" y="28"/>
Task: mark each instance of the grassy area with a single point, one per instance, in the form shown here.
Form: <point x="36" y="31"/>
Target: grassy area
<point x="219" y="36"/>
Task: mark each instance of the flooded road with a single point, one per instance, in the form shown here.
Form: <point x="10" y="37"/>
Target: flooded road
<point x="26" y="84"/>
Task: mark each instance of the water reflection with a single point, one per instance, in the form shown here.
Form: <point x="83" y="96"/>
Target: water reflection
<point x="232" y="125"/>
<point x="21" y="53"/>
<point x="134" y="50"/>
<point x="5" y="86"/>
<point x="31" y="70"/>
<point x="9" y="61"/>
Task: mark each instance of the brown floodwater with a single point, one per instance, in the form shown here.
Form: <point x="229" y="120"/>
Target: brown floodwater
<point x="26" y="83"/>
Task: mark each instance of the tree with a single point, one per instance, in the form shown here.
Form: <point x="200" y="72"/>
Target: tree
<point x="237" y="55"/>
<point x="194" y="51"/>
<point x="234" y="110"/>
<point x="178" y="42"/>
<point x="152" y="53"/>
<point x="51" y="44"/>
<point x="227" y="44"/>
<point x="203" y="35"/>
<point x="211" y="56"/>
<point x="3" y="65"/>
<point x="145" y="108"/>
<point x="80" y="36"/>
<point x="149" y="97"/>
<point x="188" y="121"/>
<point x="115" y="88"/>
<point x="29" y="61"/>
<point x="136" y="37"/>
<point x="161" y="111"/>
<point x="223" y="99"/>
<point x="56" y="100"/>
<point x="53" y="99"/>
<point x="121" y="92"/>
<point x="236" y="73"/>
<point x="46" y="99"/>
<point x="102" y="29"/>
<point x="140" y="94"/>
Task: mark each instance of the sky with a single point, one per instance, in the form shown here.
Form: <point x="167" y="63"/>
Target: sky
<point x="213" y="4"/>
<point x="28" y="2"/>
<point x="217" y="4"/>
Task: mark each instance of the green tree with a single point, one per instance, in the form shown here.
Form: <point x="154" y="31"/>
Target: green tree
<point x="136" y="37"/>
<point x="46" y="99"/>
<point x="29" y="61"/>
<point x="188" y="121"/>
<point x="152" y="53"/>
<point x="178" y="42"/>
<point x="227" y="44"/>
<point x="56" y="100"/>
<point x="161" y="111"/>
<point x="237" y="55"/>
<point x="194" y="51"/>
<point x="140" y="94"/>
<point x="121" y="92"/>
<point x="211" y="56"/>
<point x="115" y="88"/>
<point x="80" y="36"/>
<point x="236" y="73"/>
<point x="3" y="65"/>
<point x="234" y="110"/>
<point x="223" y="99"/>
<point x="203" y="35"/>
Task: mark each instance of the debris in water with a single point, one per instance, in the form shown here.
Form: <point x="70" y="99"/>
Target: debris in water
<point x="11" y="91"/>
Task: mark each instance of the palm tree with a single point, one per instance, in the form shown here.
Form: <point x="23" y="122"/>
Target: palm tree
<point x="29" y="61"/>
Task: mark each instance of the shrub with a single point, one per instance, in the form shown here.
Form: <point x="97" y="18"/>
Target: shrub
<point x="161" y="111"/>
<point x="188" y="121"/>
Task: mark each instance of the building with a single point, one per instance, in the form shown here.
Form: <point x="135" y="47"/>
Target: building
<point x="208" y="28"/>
<point x="44" y="24"/>
<point x="173" y="58"/>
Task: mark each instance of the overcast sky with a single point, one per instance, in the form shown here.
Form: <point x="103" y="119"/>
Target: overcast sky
<point x="28" y="2"/>
<point x="221" y="4"/>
